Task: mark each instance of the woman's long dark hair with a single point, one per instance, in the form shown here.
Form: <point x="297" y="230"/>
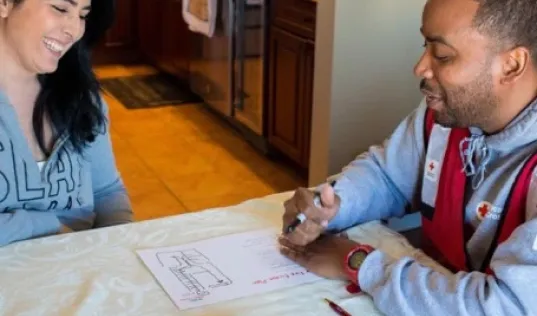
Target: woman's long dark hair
<point x="71" y="95"/>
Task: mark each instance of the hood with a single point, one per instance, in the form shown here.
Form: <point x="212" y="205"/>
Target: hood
<point x="520" y="132"/>
<point x="479" y="149"/>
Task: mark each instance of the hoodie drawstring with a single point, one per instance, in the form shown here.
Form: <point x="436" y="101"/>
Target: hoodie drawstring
<point x="474" y="144"/>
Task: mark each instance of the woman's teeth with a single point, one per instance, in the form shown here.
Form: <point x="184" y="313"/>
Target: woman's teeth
<point x="53" y="46"/>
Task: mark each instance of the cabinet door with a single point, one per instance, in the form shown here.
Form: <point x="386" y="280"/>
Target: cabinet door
<point x="122" y="33"/>
<point x="150" y="28"/>
<point x="175" y="40"/>
<point x="287" y="93"/>
<point x="308" y="60"/>
<point x="119" y="44"/>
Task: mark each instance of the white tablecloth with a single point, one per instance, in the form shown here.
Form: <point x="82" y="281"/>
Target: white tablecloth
<point x="97" y="272"/>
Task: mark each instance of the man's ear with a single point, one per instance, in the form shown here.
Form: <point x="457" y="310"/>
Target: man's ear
<point x="515" y="62"/>
<point x="5" y="8"/>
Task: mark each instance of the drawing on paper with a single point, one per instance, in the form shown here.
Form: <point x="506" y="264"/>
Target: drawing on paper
<point x="223" y="268"/>
<point x="194" y="270"/>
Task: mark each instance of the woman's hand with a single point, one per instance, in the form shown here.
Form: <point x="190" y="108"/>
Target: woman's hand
<point x="64" y="229"/>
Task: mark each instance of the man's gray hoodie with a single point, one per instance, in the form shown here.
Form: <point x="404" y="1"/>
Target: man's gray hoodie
<point x="382" y="182"/>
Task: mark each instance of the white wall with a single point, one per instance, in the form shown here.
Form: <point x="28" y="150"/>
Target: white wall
<point x="364" y="85"/>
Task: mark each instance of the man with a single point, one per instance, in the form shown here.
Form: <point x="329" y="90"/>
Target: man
<point x="466" y="156"/>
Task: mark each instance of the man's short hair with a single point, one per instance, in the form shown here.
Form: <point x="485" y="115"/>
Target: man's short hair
<point x="511" y="22"/>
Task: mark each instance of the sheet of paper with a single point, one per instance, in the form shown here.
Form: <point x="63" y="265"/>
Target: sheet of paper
<point x="223" y="268"/>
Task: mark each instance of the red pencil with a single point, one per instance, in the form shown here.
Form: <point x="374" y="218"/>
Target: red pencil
<point x="336" y="308"/>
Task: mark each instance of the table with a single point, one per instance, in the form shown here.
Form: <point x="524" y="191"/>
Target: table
<point x="97" y="272"/>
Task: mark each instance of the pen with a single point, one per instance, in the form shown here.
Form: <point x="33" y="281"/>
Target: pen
<point x="300" y="218"/>
<point x="336" y="308"/>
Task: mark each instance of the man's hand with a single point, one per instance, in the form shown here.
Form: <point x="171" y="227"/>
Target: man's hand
<point x="324" y="257"/>
<point x="317" y="218"/>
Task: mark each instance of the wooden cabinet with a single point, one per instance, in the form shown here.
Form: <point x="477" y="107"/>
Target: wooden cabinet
<point x="119" y="44"/>
<point x="297" y="16"/>
<point x="291" y="67"/>
<point x="307" y="93"/>
<point x="175" y="41"/>
<point x="150" y="29"/>
<point x="122" y="34"/>
<point x="164" y="36"/>
<point x="289" y="91"/>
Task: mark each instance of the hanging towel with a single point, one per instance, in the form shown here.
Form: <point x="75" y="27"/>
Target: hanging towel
<point x="200" y="15"/>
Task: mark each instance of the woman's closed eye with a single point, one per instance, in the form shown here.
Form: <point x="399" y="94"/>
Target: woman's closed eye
<point x="63" y="11"/>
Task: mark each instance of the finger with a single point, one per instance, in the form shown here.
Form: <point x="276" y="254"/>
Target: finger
<point x="319" y="246"/>
<point x="290" y="213"/>
<point x="307" y="207"/>
<point x="288" y="204"/>
<point x="287" y="219"/>
<point x="311" y="229"/>
<point x="285" y="242"/>
<point x="321" y="213"/>
<point x="300" y="258"/>
<point x="328" y="196"/>
<point x="304" y="198"/>
<point x="297" y="203"/>
<point x="306" y="232"/>
<point x="288" y="252"/>
<point x="298" y="237"/>
<point x="330" y="201"/>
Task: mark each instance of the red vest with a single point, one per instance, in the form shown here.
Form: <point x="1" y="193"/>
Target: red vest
<point x="443" y="227"/>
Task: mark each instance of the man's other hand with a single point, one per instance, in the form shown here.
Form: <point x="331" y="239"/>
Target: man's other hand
<point x="325" y="256"/>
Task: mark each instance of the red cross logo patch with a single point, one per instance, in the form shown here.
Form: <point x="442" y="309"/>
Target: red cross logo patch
<point x="482" y="210"/>
<point x="487" y="210"/>
<point x="431" y="170"/>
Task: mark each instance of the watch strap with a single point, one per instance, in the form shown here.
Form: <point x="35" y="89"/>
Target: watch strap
<point x="352" y="274"/>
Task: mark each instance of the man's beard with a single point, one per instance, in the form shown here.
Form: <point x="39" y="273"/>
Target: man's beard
<point x="464" y="106"/>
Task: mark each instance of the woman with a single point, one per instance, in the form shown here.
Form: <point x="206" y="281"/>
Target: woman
<point x="57" y="169"/>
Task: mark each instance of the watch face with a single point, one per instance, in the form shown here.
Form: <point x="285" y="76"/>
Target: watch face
<point x="356" y="259"/>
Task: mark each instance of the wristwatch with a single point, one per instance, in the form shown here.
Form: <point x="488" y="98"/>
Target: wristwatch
<point x="354" y="260"/>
